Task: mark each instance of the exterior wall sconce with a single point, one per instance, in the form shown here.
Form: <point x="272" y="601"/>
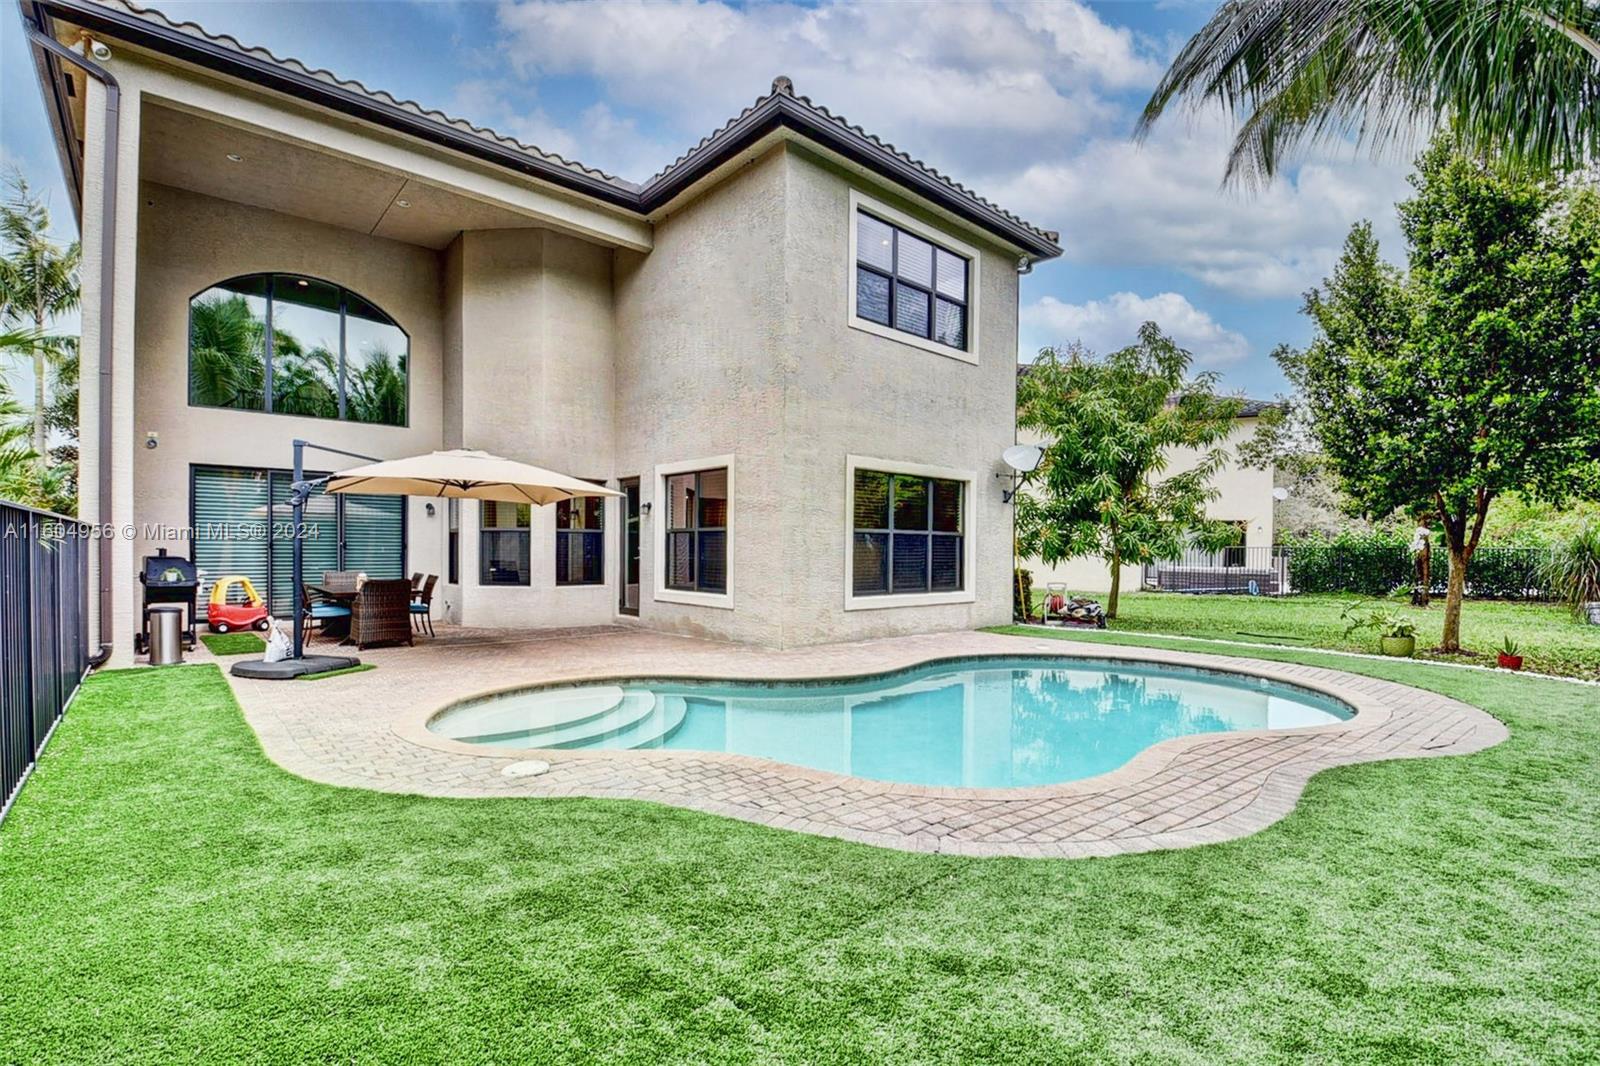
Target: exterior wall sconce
<point x="429" y="509"/>
<point x="644" y="508"/>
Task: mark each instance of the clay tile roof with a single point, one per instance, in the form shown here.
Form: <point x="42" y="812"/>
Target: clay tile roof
<point x="783" y="87"/>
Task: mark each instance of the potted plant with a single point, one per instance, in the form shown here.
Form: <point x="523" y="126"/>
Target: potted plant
<point x="1397" y="635"/>
<point x="1510" y="655"/>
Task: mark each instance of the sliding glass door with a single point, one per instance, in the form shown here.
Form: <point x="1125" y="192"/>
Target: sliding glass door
<point x="241" y="520"/>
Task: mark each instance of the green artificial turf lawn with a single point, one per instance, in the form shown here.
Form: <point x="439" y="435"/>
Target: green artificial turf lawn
<point x="168" y="894"/>
<point x="1551" y="639"/>
<point x="234" y="643"/>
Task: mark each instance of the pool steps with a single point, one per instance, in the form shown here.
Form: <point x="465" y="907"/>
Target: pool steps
<point x="571" y="718"/>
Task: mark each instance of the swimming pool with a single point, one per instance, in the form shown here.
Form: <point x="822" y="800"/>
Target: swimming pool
<point x="975" y="723"/>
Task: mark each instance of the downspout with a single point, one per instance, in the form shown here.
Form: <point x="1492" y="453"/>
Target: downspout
<point x="108" y="273"/>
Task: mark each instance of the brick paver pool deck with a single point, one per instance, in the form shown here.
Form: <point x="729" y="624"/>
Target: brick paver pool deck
<point x="367" y="730"/>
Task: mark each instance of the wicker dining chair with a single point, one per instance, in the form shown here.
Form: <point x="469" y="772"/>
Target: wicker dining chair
<point x="382" y="612"/>
<point x="416" y="581"/>
<point x="422" y="605"/>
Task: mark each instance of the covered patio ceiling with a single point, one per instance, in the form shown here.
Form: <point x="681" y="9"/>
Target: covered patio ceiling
<point x="190" y="151"/>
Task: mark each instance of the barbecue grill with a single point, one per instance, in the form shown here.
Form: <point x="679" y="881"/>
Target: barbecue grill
<point x="168" y="579"/>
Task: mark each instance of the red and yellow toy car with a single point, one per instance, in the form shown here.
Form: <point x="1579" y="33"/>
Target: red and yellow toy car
<point x="224" y="617"/>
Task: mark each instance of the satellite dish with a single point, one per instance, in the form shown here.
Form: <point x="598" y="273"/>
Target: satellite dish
<point x="1280" y="494"/>
<point x="1023" y="458"/>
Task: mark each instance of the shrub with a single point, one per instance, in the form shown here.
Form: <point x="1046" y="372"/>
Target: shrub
<point x="1021" y="594"/>
<point x="1373" y="564"/>
<point x="1572" y="573"/>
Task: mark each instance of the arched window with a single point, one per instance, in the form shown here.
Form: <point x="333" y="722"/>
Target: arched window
<point x="298" y="346"/>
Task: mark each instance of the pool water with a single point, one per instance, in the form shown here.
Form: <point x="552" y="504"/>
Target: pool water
<point x="976" y="723"/>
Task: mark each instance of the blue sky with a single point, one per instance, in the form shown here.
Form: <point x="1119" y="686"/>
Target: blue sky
<point x="1029" y="104"/>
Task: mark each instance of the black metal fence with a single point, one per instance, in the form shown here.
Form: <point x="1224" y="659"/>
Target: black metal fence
<point x="44" y="585"/>
<point x="1369" y="568"/>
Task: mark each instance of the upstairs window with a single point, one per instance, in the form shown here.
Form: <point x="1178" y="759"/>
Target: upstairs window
<point x="294" y="345"/>
<point x="909" y="284"/>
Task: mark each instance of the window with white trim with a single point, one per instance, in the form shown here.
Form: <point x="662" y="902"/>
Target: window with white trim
<point x="907" y="534"/>
<point x="504" y="531"/>
<point x="580" y="541"/>
<point x="909" y="284"/>
<point x="697" y="531"/>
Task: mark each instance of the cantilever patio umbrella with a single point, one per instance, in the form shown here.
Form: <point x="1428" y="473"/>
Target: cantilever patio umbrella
<point x="461" y="473"/>
<point x="468" y="475"/>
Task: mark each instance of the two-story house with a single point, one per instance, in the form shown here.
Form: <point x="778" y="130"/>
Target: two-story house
<point x="793" y="350"/>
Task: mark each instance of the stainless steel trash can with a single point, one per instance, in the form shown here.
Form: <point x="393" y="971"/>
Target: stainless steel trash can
<point x="166" y="634"/>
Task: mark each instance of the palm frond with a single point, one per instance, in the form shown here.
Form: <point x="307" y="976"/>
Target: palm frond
<point x="1517" y="82"/>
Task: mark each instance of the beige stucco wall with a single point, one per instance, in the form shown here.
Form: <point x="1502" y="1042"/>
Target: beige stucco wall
<point x="700" y="372"/>
<point x="1244" y="494"/>
<point x="850" y="392"/>
<point x="530" y="350"/>
<point x="186" y="243"/>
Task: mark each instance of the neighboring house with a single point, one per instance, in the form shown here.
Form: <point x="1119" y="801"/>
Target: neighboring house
<point x="793" y="350"/>
<point x="1244" y="498"/>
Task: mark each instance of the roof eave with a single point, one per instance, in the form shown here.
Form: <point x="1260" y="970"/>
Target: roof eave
<point x="48" y="69"/>
<point x="257" y="71"/>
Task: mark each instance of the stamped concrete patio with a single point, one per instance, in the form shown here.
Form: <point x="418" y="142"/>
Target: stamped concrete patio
<point x="366" y="730"/>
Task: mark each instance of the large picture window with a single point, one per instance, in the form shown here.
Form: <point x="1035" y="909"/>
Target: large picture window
<point x="503" y="549"/>
<point x="907" y="534"/>
<point x="580" y="541"/>
<point x="293" y="345"/>
<point x="697" y="531"/>
<point x="909" y="284"/>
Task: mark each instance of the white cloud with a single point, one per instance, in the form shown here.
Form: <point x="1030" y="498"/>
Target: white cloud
<point x="1160" y="204"/>
<point x="1112" y="323"/>
<point x="1024" y="102"/>
<point x="949" y="82"/>
<point x="600" y="138"/>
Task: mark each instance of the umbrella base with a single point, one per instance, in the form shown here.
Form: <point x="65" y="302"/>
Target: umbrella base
<point x="289" y="669"/>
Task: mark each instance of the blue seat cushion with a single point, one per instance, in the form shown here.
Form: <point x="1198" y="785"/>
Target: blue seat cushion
<point x="419" y="608"/>
<point x="329" y="610"/>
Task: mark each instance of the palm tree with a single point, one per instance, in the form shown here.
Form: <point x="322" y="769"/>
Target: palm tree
<point x="376" y="390"/>
<point x="17" y="458"/>
<point x="227" y="353"/>
<point x="38" y="283"/>
<point x="303" y="383"/>
<point x="1517" y="81"/>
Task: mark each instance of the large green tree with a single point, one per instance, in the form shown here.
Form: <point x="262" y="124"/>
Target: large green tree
<point x="38" y="284"/>
<point x="1476" y="371"/>
<point x="1518" y="80"/>
<point x="1109" y="428"/>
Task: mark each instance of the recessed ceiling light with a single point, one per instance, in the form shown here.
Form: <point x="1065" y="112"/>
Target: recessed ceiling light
<point x="402" y="203"/>
<point x="302" y="282"/>
<point x="235" y="157"/>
